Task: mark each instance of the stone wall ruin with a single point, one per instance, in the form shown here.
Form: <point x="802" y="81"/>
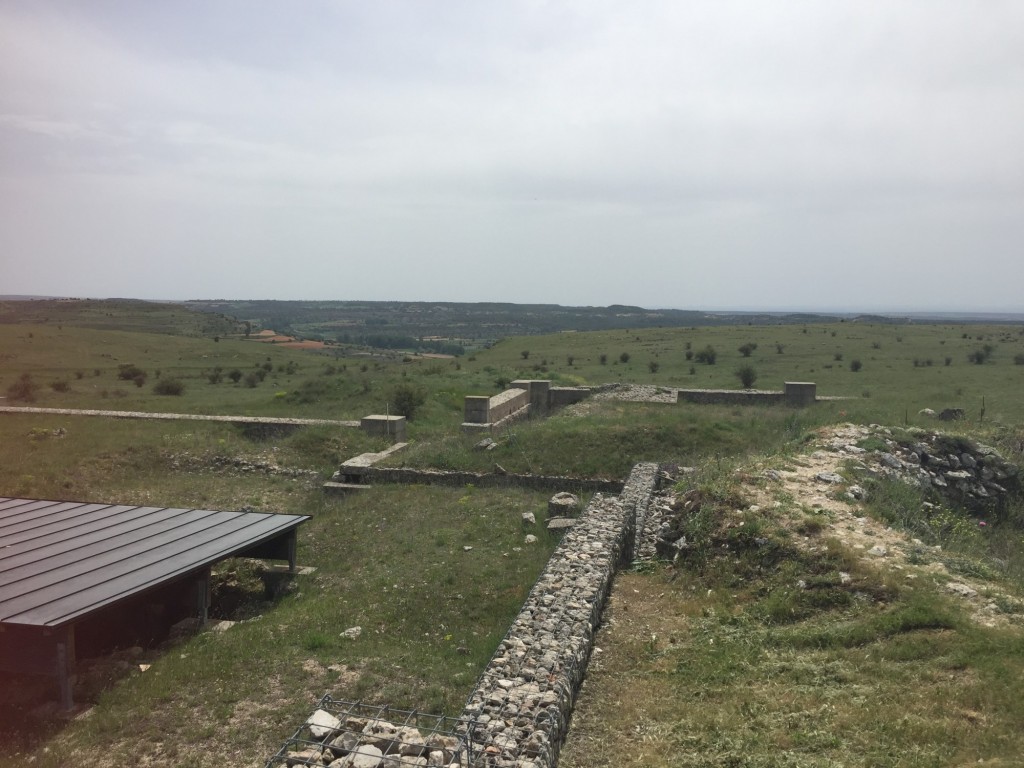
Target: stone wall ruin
<point x="518" y="713"/>
<point x="797" y="394"/>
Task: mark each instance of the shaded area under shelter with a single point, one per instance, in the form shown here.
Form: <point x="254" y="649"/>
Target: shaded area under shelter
<point x="79" y="578"/>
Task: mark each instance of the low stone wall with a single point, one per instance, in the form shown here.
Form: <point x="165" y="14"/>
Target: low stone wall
<point x="489" y="410"/>
<point x="730" y="397"/>
<point x="797" y="394"/>
<point x="522" y="703"/>
<point x="370" y="475"/>
<point x="526" y="397"/>
<point x="559" y="397"/>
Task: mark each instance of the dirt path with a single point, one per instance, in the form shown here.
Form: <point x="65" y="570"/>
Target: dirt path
<point x="820" y="483"/>
<point x="177" y="416"/>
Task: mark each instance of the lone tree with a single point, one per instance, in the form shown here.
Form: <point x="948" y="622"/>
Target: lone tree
<point x="747" y="375"/>
<point x="526" y="354"/>
<point x="407" y="399"/>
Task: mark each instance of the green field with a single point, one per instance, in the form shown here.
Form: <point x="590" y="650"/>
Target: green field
<point x="392" y="560"/>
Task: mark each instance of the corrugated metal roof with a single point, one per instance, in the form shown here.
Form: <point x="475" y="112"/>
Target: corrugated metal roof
<point x="61" y="560"/>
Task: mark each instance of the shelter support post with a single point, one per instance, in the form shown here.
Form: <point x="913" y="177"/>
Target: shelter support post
<point x="65" y="671"/>
<point x="291" y="544"/>
<point x="203" y="597"/>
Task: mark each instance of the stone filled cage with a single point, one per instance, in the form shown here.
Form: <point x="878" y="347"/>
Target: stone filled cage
<point x="338" y="728"/>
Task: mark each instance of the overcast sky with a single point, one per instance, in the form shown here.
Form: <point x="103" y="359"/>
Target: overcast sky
<point x="746" y="155"/>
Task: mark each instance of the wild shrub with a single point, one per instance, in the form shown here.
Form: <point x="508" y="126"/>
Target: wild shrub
<point x="129" y="372"/>
<point x="855" y="365"/>
<point x="708" y="355"/>
<point x="570" y="360"/>
<point x="689" y="354"/>
<point x="747" y="375"/>
<point x="604" y="359"/>
<point x="1017" y="360"/>
<point x="624" y="357"/>
<point x="311" y="391"/>
<point x="139" y="380"/>
<point x="981" y="356"/>
<point x="60" y="385"/>
<point x="23" y="389"/>
<point x="747" y="349"/>
<point x="653" y="366"/>
<point x="525" y="354"/>
<point x="779" y="348"/>
<point x="838" y="357"/>
<point x="407" y="399"/>
<point x="252" y="380"/>
<point x="169" y="387"/>
<point x="235" y="375"/>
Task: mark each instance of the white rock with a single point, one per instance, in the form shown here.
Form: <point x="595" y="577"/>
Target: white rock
<point x="530" y="539"/>
<point x="352" y="633"/>
<point x="366" y="756"/>
<point x="961" y="589"/>
<point x="322" y="724"/>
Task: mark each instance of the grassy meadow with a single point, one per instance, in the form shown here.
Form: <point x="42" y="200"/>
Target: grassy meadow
<point x="393" y="560"/>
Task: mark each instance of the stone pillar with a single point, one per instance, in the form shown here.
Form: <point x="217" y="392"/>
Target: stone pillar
<point x="379" y="425"/>
<point x="801" y="393"/>
<point x="538" y="389"/>
<point x="478" y="409"/>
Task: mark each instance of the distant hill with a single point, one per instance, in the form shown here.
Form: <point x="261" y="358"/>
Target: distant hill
<point x="474" y="322"/>
<point x="117" y="315"/>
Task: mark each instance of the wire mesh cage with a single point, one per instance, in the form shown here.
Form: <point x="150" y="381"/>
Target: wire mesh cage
<point x="365" y="733"/>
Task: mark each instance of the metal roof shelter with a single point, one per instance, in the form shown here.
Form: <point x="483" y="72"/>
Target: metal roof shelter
<point x="62" y="562"/>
